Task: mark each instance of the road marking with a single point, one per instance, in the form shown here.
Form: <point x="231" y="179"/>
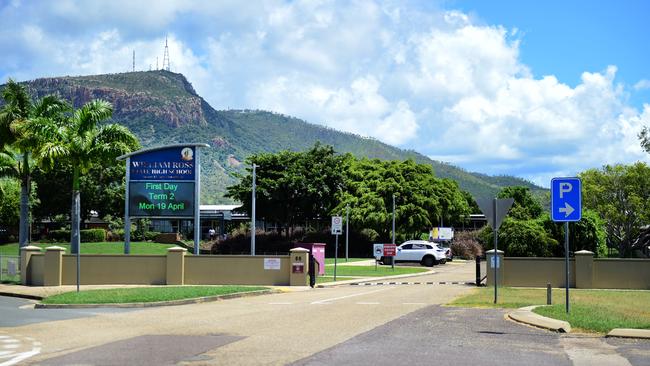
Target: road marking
<point x="12" y="347"/>
<point x="367" y="303"/>
<point x="347" y="296"/>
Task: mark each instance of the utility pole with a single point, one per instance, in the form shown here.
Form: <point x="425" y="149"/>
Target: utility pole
<point x="347" y="226"/>
<point x="393" y="218"/>
<point x="253" y="214"/>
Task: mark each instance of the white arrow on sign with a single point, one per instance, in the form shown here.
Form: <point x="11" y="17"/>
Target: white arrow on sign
<point x="567" y="209"/>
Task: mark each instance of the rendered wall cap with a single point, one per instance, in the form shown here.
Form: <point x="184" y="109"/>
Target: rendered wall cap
<point x="584" y="252"/>
<point x="55" y="248"/>
<point x="299" y="250"/>
<point x="31" y="248"/>
<point x="176" y="249"/>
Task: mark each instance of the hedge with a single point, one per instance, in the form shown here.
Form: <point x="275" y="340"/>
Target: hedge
<point x="87" y="236"/>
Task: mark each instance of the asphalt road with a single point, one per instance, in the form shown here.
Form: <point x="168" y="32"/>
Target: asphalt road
<point x="379" y="324"/>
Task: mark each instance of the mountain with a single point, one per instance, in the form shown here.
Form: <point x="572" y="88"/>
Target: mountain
<point x="162" y="107"/>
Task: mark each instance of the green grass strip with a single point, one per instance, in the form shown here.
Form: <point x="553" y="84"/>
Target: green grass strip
<point x="591" y="310"/>
<point x="145" y="294"/>
<point x="98" y="248"/>
<point x="370" y="271"/>
<point x="342" y="260"/>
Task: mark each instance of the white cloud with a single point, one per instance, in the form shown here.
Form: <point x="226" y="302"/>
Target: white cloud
<point x="433" y="81"/>
<point x="642" y="84"/>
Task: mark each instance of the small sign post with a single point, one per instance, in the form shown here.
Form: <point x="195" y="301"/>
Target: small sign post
<point x="390" y="250"/>
<point x="566" y="206"/>
<point x="495" y="210"/>
<point x="337" y="229"/>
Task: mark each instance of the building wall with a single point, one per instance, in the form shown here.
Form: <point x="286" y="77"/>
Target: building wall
<point x="622" y="273"/>
<point x="537" y="272"/>
<point x="234" y="270"/>
<point x="115" y="269"/>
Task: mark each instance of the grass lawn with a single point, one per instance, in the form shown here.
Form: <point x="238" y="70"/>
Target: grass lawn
<point x="98" y="248"/>
<point x="370" y="271"/>
<point x="331" y="279"/>
<point x="591" y="310"/>
<point x="144" y="294"/>
<point x="342" y="260"/>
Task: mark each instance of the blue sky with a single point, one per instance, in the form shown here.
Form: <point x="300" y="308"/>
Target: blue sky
<point x="533" y="89"/>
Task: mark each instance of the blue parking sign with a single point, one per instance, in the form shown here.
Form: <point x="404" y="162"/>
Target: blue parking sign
<point x="566" y="199"/>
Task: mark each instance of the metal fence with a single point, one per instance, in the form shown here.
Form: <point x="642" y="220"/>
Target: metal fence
<point x="9" y="268"/>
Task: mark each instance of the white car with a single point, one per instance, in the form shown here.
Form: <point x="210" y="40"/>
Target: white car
<point x="420" y="251"/>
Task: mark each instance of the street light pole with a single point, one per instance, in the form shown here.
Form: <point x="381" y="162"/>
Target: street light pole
<point x="393" y="219"/>
<point x="253" y="214"/>
<point x="347" y="226"/>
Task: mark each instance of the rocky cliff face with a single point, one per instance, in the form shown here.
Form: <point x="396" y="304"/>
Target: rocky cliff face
<point x="174" y="108"/>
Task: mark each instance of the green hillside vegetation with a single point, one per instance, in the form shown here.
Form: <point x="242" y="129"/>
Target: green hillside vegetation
<point x="161" y="107"/>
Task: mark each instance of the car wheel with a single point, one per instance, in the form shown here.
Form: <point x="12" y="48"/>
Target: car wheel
<point x="442" y="261"/>
<point x="428" y="261"/>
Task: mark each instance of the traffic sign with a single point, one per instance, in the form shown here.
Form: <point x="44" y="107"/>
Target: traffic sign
<point x="337" y="225"/>
<point x="390" y="250"/>
<point x="489" y="206"/>
<point x="566" y="199"/>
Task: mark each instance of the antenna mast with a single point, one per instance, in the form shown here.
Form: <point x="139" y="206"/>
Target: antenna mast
<point x="165" y="64"/>
<point x="133" y="60"/>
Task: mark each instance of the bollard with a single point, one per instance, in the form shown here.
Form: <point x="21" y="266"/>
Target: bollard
<point x="548" y="294"/>
<point x="478" y="271"/>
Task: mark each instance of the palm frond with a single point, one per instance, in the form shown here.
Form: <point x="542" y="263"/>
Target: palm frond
<point x="91" y="114"/>
<point x="51" y="153"/>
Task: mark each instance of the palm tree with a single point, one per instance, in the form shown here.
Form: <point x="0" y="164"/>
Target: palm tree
<point x="81" y="141"/>
<point x="17" y="147"/>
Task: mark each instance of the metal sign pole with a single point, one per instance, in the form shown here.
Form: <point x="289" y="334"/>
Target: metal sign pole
<point x="336" y="254"/>
<point x="393" y="219"/>
<point x="253" y="214"/>
<point x="127" y="219"/>
<point x="566" y="262"/>
<point x="347" y="219"/>
<point x="495" y="258"/>
<point x="197" y="202"/>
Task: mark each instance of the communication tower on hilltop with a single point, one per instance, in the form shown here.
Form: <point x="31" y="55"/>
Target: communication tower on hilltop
<point x="165" y="64"/>
<point x="133" y="60"/>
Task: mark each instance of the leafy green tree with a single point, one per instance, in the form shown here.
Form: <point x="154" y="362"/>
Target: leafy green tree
<point x="18" y="111"/>
<point x="620" y="194"/>
<point x="644" y="137"/>
<point x="293" y="187"/>
<point x="421" y="199"/>
<point x="521" y="238"/>
<point x="82" y="142"/>
<point x="102" y="188"/>
<point x="525" y="207"/>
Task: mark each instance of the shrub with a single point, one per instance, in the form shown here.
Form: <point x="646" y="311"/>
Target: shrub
<point x="92" y="235"/>
<point x="60" y="236"/>
<point x="115" y="235"/>
<point x="466" y="245"/>
<point x="151" y="235"/>
<point x="369" y="235"/>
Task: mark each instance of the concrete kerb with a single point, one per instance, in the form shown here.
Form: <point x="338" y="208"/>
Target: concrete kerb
<point x="525" y="315"/>
<point x="196" y="300"/>
<point x="629" y="333"/>
<point x="374" y="279"/>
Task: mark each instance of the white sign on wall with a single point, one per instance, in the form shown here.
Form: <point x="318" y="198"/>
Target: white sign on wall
<point x="272" y="263"/>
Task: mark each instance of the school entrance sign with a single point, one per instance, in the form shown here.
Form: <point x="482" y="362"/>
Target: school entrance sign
<point x="163" y="182"/>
